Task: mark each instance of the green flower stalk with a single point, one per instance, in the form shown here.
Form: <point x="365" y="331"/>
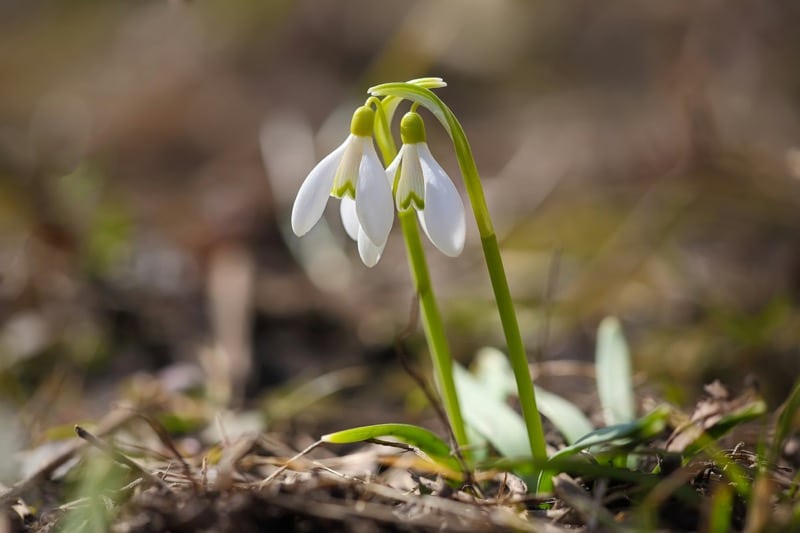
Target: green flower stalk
<point x="421" y="185"/>
<point x="392" y="93"/>
<point x="434" y="330"/>
<point x="421" y="190"/>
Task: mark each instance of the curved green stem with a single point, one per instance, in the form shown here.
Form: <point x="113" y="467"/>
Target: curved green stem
<point x="434" y="330"/>
<point x="431" y="318"/>
<point x="491" y="251"/>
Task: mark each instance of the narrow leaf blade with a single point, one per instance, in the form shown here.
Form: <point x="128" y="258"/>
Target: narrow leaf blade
<point x="786" y="420"/>
<point x="614" y="375"/>
<point x="421" y="438"/>
<point x="490" y="416"/>
<point x="565" y="415"/>
<point x="494" y="372"/>
<point x="644" y="428"/>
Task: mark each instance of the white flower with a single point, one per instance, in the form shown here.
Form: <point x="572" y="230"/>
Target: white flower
<point x="422" y="184"/>
<point x="353" y="173"/>
<point x="370" y="253"/>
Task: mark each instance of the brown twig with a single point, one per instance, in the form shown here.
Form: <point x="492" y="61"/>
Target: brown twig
<point x="288" y="463"/>
<point x="229" y="461"/>
<point x="111" y="423"/>
<point x="163" y="436"/>
<point x="117" y="456"/>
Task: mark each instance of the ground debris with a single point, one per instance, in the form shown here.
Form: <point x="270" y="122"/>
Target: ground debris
<point x="153" y="481"/>
<point x="310" y="501"/>
<point x="243" y="486"/>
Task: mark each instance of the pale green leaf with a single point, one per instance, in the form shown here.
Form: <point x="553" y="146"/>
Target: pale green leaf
<point x="490" y="416"/>
<point x="614" y="375"/>
<point x="494" y="372"/>
<point x="644" y="428"/>
<point x="421" y="438"/>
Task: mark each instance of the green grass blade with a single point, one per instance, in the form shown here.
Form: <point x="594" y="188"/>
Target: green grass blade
<point x="642" y="429"/>
<point x="614" y="375"/>
<point x="421" y="438"/>
<point x="727" y="422"/>
<point x="588" y="469"/>
<point x="785" y="424"/>
<point x="720" y="510"/>
<point x="97" y="481"/>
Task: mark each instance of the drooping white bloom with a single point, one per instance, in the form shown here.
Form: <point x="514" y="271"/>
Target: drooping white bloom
<point x="422" y="184"/>
<point x="353" y="173"/>
<point x="370" y="253"/>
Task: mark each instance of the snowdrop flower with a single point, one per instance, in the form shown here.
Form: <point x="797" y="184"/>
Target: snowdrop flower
<point x="353" y="173"/>
<point x="420" y="183"/>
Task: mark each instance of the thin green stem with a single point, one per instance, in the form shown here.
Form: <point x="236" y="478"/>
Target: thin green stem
<point x="434" y="329"/>
<point x="502" y="294"/>
<point x="516" y="349"/>
<point x="430" y="316"/>
<point x="491" y="251"/>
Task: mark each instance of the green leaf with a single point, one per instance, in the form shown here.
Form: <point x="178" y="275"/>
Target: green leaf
<point x="727" y="422"/>
<point x="720" y="510"/>
<point x="494" y="372"/>
<point x="642" y="429"/>
<point x="565" y="415"/>
<point x="491" y="416"/>
<point x="100" y="478"/>
<point x="785" y="422"/>
<point x="426" y="441"/>
<point x="614" y="376"/>
<point x="179" y="423"/>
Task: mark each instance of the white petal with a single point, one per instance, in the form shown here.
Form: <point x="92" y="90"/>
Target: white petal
<point x="443" y="216"/>
<point x="370" y="253"/>
<point x="391" y="170"/>
<point x="346" y="175"/>
<point x="374" y="198"/>
<point x="315" y="191"/>
<point x="347" y="209"/>
<point x="411" y="186"/>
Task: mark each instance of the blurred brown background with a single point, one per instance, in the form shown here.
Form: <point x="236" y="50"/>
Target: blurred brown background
<point x="641" y="158"/>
